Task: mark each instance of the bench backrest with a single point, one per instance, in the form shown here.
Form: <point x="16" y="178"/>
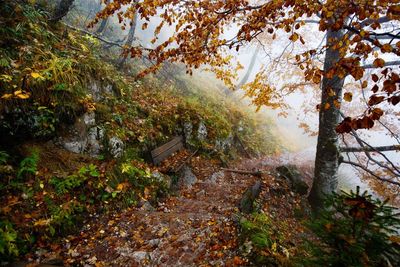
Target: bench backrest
<point x="164" y="151"/>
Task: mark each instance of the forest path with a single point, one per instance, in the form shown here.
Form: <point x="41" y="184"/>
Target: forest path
<point x="195" y="228"/>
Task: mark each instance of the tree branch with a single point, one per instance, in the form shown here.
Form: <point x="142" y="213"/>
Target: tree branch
<point x="370" y="149"/>
<point x="389" y="63"/>
<point x="94" y="35"/>
<point x="370" y="172"/>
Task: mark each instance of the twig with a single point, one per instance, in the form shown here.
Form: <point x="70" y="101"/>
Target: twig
<point x="370" y="172"/>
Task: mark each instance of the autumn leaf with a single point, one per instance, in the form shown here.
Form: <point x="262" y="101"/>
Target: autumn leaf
<point x="7" y="96"/>
<point x="294" y="37"/>
<point x="36" y="75"/>
<point x="21" y="94"/>
<point x="348" y="96"/>
<point x="375" y="100"/>
<point x="379" y="63"/>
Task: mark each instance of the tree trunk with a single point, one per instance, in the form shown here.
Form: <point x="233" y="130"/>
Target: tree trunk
<point x="62" y="10"/>
<point x="103" y="23"/>
<point x="129" y="41"/>
<point x="327" y="156"/>
<point x="249" y="68"/>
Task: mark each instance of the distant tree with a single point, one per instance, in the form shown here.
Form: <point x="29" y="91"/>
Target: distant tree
<point x="62" y="10"/>
<point x="130" y="39"/>
<point x="356" y="30"/>
<point x="104" y="22"/>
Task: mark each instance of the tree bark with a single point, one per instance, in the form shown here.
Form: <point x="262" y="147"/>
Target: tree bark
<point x="249" y="68"/>
<point x="62" y="10"/>
<point x="129" y="41"/>
<point x="327" y="156"/>
<point x="103" y="23"/>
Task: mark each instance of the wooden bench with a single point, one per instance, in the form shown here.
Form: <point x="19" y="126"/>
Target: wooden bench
<point x="164" y="151"/>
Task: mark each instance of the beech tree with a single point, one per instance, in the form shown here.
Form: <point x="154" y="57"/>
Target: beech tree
<point x="357" y="31"/>
<point x="104" y="22"/>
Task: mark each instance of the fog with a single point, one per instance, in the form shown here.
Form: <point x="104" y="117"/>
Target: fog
<point x="276" y="58"/>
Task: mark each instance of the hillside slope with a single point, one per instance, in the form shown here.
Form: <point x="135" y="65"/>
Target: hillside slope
<point x="75" y="132"/>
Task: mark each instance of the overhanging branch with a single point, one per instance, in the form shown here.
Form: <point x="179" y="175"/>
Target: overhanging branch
<point x="389" y="63"/>
<point x="370" y="172"/>
<point x="370" y="149"/>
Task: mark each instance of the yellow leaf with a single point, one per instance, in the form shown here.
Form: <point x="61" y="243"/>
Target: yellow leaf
<point x="7" y="96"/>
<point x="294" y="37"/>
<point x="42" y="222"/>
<point x="36" y="75"/>
<point x="21" y="95"/>
<point x="348" y="96"/>
<point x="120" y="187"/>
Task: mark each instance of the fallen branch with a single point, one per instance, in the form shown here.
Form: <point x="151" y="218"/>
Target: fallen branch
<point x="255" y="173"/>
<point x="370" y="149"/>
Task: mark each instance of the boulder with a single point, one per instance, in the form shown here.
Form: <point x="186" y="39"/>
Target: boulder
<point x="94" y="143"/>
<point x="247" y="203"/>
<point x="162" y="178"/>
<point x="116" y="147"/>
<point x="294" y="178"/>
<point x="186" y="177"/>
<point x="224" y="144"/>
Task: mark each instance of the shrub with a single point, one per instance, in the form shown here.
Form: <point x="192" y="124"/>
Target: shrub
<point x="28" y="166"/>
<point x="8" y="240"/>
<point x="354" y="230"/>
<point x="263" y="240"/>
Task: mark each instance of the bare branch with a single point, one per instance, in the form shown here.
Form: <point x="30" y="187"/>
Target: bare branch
<point x="389" y="63"/>
<point x="370" y="172"/>
<point x="370" y="149"/>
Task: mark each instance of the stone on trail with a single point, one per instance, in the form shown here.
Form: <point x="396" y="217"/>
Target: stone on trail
<point x="247" y="202"/>
<point x="186" y="177"/>
<point x="294" y="177"/>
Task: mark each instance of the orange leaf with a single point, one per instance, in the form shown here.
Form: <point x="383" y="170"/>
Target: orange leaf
<point x="379" y="63"/>
<point x="348" y="96"/>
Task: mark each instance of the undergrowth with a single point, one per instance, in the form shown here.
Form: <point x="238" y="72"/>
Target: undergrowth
<point x="46" y="75"/>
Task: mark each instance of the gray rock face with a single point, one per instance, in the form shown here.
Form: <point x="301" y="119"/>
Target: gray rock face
<point x="89" y="119"/>
<point x="74" y="146"/>
<point x="98" y="90"/>
<point x="294" y="177"/>
<point x="83" y="136"/>
<point x="224" y="144"/>
<point x="187" y="130"/>
<point x="186" y="177"/>
<point x="94" y="141"/>
<point x="116" y="147"/>
<point x="202" y="131"/>
<point x="76" y="138"/>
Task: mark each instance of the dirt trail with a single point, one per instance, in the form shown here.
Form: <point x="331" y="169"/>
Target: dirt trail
<point x="195" y="228"/>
